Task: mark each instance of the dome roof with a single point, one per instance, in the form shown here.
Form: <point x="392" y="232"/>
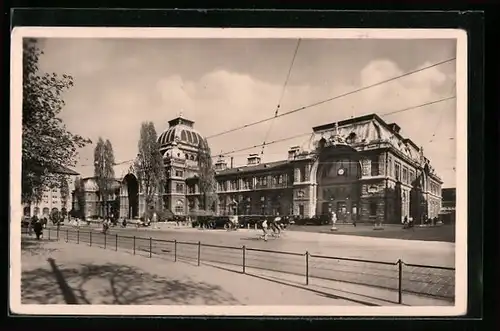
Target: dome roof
<point x="181" y="131"/>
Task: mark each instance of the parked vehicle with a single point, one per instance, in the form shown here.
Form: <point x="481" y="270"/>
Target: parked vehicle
<point x="314" y="220"/>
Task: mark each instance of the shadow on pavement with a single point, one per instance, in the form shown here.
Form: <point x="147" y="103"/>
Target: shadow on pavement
<point x="32" y="246"/>
<point x="114" y="284"/>
<point x="282" y="282"/>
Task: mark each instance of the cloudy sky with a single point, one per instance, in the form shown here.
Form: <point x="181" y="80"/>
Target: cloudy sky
<point x="224" y="83"/>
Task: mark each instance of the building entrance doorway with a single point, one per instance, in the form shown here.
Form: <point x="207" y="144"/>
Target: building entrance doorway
<point x="131" y="209"/>
<point x="342" y="214"/>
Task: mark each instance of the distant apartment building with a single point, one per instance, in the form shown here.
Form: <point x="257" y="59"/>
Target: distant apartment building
<point x="51" y="199"/>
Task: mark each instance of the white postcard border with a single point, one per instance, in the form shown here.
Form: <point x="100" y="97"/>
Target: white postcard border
<point x="15" y="208"/>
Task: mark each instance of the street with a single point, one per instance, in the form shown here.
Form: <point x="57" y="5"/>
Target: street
<point x="266" y="256"/>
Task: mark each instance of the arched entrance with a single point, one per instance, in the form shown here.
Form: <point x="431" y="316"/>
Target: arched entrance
<point x="130" y="207"/>
<point x="338" y="188"/>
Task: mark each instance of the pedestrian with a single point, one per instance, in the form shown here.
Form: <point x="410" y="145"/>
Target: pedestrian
<point x="333" y="220"/>
<point x="31" y="224"/>
<point x="155" y="219"/>
<point x="38" y="227"/>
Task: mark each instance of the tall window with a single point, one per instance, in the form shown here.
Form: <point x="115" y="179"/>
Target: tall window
<point x="375" y="166"/>
<point x="222" y="186"/>
<point x="389" y="163"/>
<point x="179" y="188"/>
<point x="234" y="185"/>
<point x="263" y="180"/>
<point x="412" y="176"/>
<point x="301" y="210"/>
<point x="397" y="171"/>
<point x="405" y="175"/>
<point x="303" y="174"/>
<point x="373" y="208"/>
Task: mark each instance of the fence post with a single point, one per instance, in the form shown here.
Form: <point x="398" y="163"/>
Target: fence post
<point x="244" y="258"/>
<point x="67" y="235"/>
<point x="307" y="268"/>
<point x="90" y="235"/>
<point x="57" y="234"/>
<point x="116" y="242"/>
<point x="134" y="245"/>
<point x="49" y="234"/>
<point x="199" y="252"/>
<point x="77" y="236"/>
<point x="105" y="239"/>
<point x="150" y="247"/>
<point x="175" y="250"/>
<point x="400" y="281"/>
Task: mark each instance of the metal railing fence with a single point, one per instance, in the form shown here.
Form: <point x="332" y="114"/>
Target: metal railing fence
<point x="400" y="277"/>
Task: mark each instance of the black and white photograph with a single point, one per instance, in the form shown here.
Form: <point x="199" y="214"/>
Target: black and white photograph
<point x="238" y="172"/>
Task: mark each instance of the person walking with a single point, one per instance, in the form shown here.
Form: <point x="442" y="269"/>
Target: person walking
<point x="333" y="220"/>
<point x="38" y="227"/>
<point x="154" y="220"/>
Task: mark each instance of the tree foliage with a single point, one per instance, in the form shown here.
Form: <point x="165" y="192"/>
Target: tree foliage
<point x="64" y="187"/>
<point x="80" y="196"/>
<point x="104" y="161"/>
<point x="46" y="145"/>
<point x="148" y="165"/>
<point x="207" y="182"/>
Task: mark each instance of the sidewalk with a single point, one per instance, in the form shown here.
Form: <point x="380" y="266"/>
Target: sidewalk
<point x="95" y="276"/>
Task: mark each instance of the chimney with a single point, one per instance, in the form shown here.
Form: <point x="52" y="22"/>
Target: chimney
<point x="292" y="152"/>
<point x="395" y="128"/>
<point x="253" y="159"/>
<point x="221" y="164"/>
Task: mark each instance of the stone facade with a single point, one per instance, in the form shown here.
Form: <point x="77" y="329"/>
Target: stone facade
<point x="360" y="168"/>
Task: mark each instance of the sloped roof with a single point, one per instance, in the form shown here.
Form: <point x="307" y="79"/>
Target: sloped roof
<point x="58" y="169"/>
<point x="252" y="168"/>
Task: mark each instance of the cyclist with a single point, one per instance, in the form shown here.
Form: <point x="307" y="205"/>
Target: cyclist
<point x="233" y="223"/>
<point x="274" y="224"/>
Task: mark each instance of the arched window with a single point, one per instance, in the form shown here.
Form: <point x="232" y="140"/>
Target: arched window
<point x="179" y="207"/>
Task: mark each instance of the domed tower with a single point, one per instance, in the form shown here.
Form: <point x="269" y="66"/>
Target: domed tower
<point x="180" y="146"/>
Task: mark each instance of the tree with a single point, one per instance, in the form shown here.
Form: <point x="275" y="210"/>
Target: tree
<point x="46" y="144"/>
<point x="64" y="190"/>
<point x="104" y="161"/>
<point x="207" y="180"/>
<point x="148" y="165"/>
<point x="80" y="196"/>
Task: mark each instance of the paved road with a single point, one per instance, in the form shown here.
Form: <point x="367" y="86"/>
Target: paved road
<point x="415" y="279"/>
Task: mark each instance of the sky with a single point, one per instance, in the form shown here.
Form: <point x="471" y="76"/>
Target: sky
<point x="225" y="83"/>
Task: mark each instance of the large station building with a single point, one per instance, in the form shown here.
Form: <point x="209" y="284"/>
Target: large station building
<point x="361" y="168"/>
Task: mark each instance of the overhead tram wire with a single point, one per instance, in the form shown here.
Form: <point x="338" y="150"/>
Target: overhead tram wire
<point x="453" y="87"/>
<point x="331" y="99"/>
<point x="303" y="134"/>
<point x="281" y="96"/>
<point x="308" y="133"/>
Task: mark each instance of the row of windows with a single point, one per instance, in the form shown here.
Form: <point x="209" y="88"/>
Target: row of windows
<point x="247" y="183"/>
<point x="434" y="188"/>
<point x="402" y="173"/>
